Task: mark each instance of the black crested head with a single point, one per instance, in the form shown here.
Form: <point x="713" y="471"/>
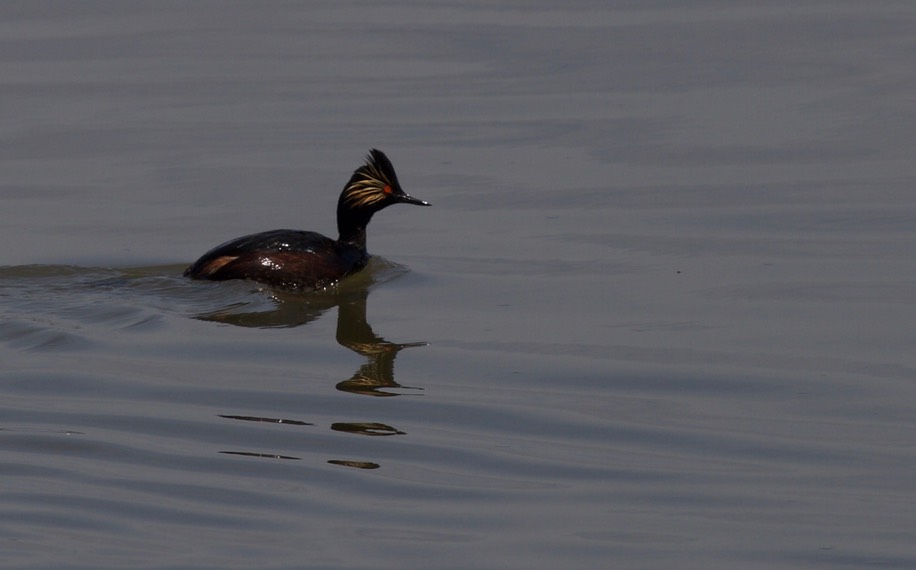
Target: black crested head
<point x="373" y="186"/>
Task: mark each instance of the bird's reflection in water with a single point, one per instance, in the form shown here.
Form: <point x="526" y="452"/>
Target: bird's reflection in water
<point x="374" y="378"/>
<point x="263" y="455"/>
<point x="267" y="420"/>
<point x="355" y="464"/>
<point x="365" y="428"/>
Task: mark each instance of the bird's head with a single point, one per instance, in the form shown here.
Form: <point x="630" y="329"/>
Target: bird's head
<point x="373" y="186"/>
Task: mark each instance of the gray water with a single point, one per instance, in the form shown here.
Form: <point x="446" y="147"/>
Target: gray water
<point x="660" y="314"/>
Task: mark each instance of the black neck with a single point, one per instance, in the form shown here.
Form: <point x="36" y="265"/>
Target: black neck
<point x="351" y="225"/>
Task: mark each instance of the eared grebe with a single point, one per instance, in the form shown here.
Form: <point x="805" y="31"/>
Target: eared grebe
<point x="301" y="260"/>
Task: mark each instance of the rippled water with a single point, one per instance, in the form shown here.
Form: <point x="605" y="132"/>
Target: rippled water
<point x="659" y="316"/>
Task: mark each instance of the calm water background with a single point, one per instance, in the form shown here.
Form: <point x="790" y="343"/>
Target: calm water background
<point x="661" y="314"/>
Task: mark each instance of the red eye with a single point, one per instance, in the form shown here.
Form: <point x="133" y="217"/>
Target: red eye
<point x="386" y="189"/>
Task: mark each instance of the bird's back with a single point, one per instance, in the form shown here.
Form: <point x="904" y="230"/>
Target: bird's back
<point x="292" y="259"/>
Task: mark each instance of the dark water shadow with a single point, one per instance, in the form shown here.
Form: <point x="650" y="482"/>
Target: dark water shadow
<point x="93" y="301"/>
<point x="74" y="301"/>
<point x="376" y="377"/>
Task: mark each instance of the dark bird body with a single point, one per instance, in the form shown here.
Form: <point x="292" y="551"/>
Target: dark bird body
<point x="303" y="260"/>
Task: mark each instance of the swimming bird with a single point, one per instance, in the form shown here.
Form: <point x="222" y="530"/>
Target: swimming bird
<point x="301" y="260"/>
